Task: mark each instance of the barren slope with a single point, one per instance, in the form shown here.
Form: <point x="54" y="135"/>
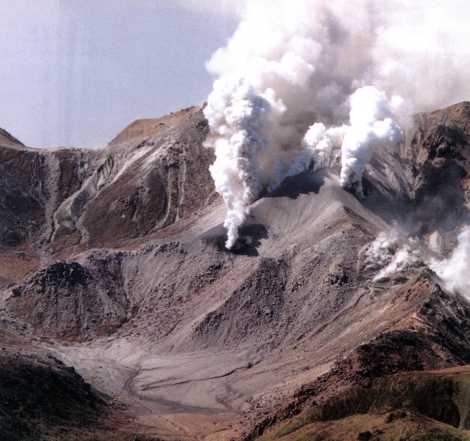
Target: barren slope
<point x="113" y="261"/>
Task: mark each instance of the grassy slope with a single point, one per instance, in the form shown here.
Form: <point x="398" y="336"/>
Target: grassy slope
<point x="387" y="415"/>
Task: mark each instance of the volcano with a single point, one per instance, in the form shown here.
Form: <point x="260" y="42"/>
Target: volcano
<point x="124" y="317"/>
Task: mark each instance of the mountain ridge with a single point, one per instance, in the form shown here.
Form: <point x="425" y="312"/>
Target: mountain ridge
<point x="115" y="264"/>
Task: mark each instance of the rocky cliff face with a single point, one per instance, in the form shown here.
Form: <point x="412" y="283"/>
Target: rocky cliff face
<point x="113" y="263"/>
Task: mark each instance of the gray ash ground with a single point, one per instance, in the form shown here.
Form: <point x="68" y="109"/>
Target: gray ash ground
<point x="124" y="317"/>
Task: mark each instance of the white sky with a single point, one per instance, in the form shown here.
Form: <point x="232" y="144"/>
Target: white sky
<point x="75" y="72"/>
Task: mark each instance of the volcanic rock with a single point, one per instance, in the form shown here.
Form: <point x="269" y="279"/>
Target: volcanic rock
<point x="113" y="262"/>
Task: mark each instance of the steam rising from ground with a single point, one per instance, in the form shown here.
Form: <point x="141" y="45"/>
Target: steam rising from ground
<point x="392" y="252"/>
<point x="288" y="67"/>
<point x="454" y="270"/>
<point x="395" y="251"/>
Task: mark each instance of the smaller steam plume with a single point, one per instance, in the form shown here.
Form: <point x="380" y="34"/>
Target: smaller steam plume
<point x="454" y="270"/>
<point x="395" y="251"/>
<point x="372" y="126"/>
<point x="392" y="252"/>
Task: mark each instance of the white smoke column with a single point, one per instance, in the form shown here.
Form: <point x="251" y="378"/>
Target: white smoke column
<point x="372" y="126"/>
<point x="260" y="79"/>
<point x="238" y="117"/>
<point x="454" y="271"/>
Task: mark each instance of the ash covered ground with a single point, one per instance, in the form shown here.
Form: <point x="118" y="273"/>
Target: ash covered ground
<point x="334" y="315"/>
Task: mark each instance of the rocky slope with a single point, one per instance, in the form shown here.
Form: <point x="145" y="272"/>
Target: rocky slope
<point x="113" y="264"/>
<point x="8" y="139"/>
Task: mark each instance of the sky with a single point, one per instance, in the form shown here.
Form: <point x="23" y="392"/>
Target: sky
<point x="73" y="73"/>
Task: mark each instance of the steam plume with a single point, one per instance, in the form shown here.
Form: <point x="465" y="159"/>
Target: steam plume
<point x="288" y="66"/>
<point x="240" y="121"/>
<point x="454" y="270"/>
<point x="372" y="125"/>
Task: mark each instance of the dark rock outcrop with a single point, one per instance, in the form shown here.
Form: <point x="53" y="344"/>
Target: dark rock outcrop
<point x="40" y="395"/>
<point x="71" y="301"/>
